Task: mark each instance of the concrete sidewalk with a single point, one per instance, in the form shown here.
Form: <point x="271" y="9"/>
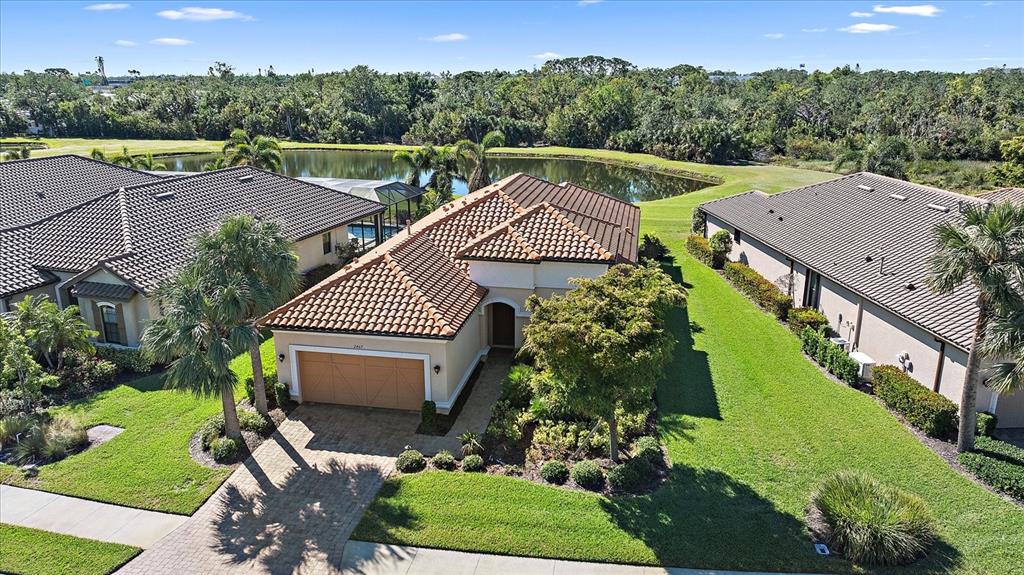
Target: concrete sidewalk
<point x="84" y="518"/>
<point x="362" y="558"/>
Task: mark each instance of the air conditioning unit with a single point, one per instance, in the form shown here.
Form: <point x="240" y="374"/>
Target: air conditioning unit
<point x="865" y="365"/>
<point x="841" y="342"/>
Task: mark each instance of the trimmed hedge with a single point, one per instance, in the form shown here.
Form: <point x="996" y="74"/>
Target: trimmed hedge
<point x="926" y="410"/>
<point x="756" y="287"/>
<point x="721" y="247"/>
<point x="126" y="358"/>
<point x="801" y="317"/>
<point x="986" y="423"/>
<point x="443" y="460"/>
<point x="588" y="475"/>
<point x="829" y="356"/>
<point x="998" y="464"/>
<point x="700" y="249"/>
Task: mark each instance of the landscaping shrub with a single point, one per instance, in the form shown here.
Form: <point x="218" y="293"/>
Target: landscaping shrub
<point x="644" y="467"/>
<point x="926" y="410"/>
<point x="81" y="372"/>
<point x="763" y="292"/>
<point x="829" y="356"/>
<point x="443" y="460"/>
<point x="623" y="477"/>
<point x="632" y="423"/>
<point x="647" y="448"/>
<point x="721" y="247"/>
<point x="252" y="421"/>
<point x="515" y="388"/>
<point x="410" y="461"/>
<point x="470" y="442"/>
<point x="45" y="441"/>
<point x="428" y="415"/>
<point x="11" y="427"/>
<point x="506" y="426"/>
<point x="225" y="449"/>
<point x="700" y="249"/>
<point x="554" y="472"/>
<point x="986" y="423"/>
<point x="652" y="248"/>
<point x="801" y="317"/>
<point x="871" y="523"/>
<point x="588" y="475"/>
<point x="698" y="223"/>
<point x="126" y="358"/>
<point x="277" y="392"/>
<point x="562" y="438"/>
<point x="473" y="463"/>
<point x="997" y="463"/>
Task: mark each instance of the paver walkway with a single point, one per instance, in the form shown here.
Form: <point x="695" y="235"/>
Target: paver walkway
<point x="84" y="518"/>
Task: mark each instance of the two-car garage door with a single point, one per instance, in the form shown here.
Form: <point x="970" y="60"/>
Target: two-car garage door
<point x="369" y="380"/>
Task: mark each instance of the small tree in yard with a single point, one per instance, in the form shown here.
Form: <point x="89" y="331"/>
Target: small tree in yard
<point x="721" y="246"/>
<point x="605" y="342"/>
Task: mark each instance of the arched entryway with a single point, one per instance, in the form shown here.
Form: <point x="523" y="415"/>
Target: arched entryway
<point x="502" y="325"/>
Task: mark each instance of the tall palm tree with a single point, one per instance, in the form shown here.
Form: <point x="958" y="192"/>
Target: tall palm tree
<point x="1005" y="338"/>
<point x="257" y="252"/>
<point x="445" y="166"/>
<point x="200" y="328"/>
<point x="418" y="161"/>
<point x="986" y="250"/>
<point x="50" y="330"/>
<point x="216" y="164"/>
<point x="124" y="158"/>
<point x="148" y="163"/>
<point x="260" y="152"/>
<point x="97" y="154"/>
<point x="476" y="156"/>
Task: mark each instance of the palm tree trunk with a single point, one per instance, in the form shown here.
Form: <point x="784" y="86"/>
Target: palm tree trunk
<point x="969" y="395"/>
<point x="613" y="438"/>
<point x="231" y="427"/>
<point x="258" y="382"/>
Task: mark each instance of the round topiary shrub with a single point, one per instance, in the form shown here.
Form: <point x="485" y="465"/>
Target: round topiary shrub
<point x="871" y="523"/>
<point x="588" y="475"/>
<point x="410" y="461"/>
<point x="554" y="472"/>
<point x="473" y="463"/>
<point x="623" y="477"/>
<point x="225" y="449"/>
<point x="254" y="422"/>
<point x="443" y="460"/>
<point x="648" y="448"/>
<point x="643" y="467"/>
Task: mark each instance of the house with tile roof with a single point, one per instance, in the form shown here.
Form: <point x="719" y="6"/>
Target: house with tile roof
<point x="103" y="237"/>
<point x="410" y="320"/>
<point x="857" y="249"/>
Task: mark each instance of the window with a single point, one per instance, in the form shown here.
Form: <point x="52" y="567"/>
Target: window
<point x="111" y="328"/>
<point x="737" y="236"/>
<point x="326" y="239"/>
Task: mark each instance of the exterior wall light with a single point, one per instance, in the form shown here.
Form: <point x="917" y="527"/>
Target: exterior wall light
<point x="437" y="369"/>
<point x="280" y="357"/>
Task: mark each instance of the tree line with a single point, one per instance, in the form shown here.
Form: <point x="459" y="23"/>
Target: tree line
<point x="683" y="112"/>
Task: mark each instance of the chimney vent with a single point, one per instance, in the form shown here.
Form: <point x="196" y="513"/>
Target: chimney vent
<point x="245" y="178"/>
<point x="163" y="195"/>
<point x="865" y="188"/>
<point x="899" y="197"/>
<point x="938" y="208"/>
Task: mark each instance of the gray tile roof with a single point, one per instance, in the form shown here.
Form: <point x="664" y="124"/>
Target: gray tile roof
<point x="144" y="232"/>
<point x="1015" y="195"/>
<point x="833" y="226"/>
<point x="33" y="189"/>
<point x="99" y="290"/>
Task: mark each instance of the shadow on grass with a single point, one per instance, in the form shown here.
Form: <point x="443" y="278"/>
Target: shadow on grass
<point x="687" y="388"/>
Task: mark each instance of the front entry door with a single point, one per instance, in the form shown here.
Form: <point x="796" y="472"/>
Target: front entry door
<point x="503" y="325"/>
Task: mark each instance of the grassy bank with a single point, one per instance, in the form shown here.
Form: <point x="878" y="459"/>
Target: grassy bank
<point x="83" y="146"/>
<point x="33" y="552"/>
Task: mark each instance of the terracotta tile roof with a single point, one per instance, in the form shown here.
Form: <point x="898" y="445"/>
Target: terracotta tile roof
<point x="417" y="282"/>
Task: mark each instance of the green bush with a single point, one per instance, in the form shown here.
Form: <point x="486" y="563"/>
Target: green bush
<point x="410" y="461"/>
<point x="253" y="421"/>
<point x="829" y="356"/>
<point x="277" y="392"/>
<point x="801" y="317"/>
<point x="926" y="410"/>
<point x="45" y="441"/>
<point x="588" y="475"/>
<point x="764" y="293"/>
<point x="126" y="358"/>
<point x="632" y="423"/>
<point x="428" y="415"/>
<point x="443" y="460"/>
<point x="648" y="448"/>
<point x="554" y="472"/>
<point x="871" y="523"/>
<point x="623" y="477"/>
<point x="698" y="223"/>
<point x="645" y="468"/>
<point x="721" y="247"/>
<point x="505" y="426"/>
<point x="652" y="248"/>
<point x="515" y="388"/>
<point x="11" y="427"/>
<point x="986" y="423"/>
<point x="700" y="249"/>
<point x="81" y="372"/>
<point x="473" y="463"/>
<point x="997" y="463"/>
<point x="225" y="449"/>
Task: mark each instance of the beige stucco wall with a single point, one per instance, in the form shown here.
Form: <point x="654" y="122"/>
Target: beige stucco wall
<point x="840" y="307"/>
<point x="1009" y="409"/>
<point x="137" y="311"/>
<point x="8" y="303"/>
<point x="311" y="251"/>
<point x="768" y="262"/>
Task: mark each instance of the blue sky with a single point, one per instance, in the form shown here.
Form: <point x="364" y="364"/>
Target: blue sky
<point x="183" y="37"/>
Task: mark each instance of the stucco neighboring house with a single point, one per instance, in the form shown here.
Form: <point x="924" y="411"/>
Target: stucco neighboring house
<point x="103" y="237"/>
<point x="410" y="320"/>
<point x="857" y="248"/>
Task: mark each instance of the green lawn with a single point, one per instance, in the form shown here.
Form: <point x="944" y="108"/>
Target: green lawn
<point x="83" y="146"/>
<point x="751" y="428"/>
<point x="33" y="552"/>
<point x="148" y="465"/>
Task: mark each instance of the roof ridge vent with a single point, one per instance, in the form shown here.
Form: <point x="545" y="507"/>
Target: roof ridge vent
<point x="162" y="195"/>
<point x="899" y="197"/>
<point x="938" y="208"/>
<point x="245" y="178"/>
<point x="865" y="188"/>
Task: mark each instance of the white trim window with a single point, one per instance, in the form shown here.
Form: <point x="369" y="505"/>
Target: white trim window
<point x="326" y="240"/>
<point x="110" y="323"/>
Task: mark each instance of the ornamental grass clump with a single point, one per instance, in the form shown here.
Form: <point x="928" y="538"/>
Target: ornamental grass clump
<point x="871" y="523"/>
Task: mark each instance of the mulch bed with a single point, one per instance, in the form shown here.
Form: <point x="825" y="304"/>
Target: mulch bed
<point x="252" y="441"/>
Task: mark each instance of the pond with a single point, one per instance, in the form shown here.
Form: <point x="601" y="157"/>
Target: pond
<point x="630" y="184"/>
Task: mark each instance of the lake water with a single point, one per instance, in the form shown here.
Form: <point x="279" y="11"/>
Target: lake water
<point x="630" y="184"/>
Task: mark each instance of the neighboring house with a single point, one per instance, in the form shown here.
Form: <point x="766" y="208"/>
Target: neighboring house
<point x="103" y="237"/>
<point x="857" y="248"/>
<point x="410" y="320"/>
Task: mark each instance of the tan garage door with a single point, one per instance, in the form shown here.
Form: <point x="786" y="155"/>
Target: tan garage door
<point x="361" y="380"/>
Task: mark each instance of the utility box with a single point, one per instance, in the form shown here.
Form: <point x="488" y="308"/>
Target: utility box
<point x="865" y="365"/>
<point x="841" y="342"/>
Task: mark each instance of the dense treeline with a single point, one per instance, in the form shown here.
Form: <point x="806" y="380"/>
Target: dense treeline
<point x="682" y="112"/>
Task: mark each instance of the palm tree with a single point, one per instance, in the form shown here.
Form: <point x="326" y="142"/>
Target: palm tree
<point x="418" y="161"/>
<point x="257" y="252"/>
<point x="1005" y="338"/>
<point x="50" y="330"/>
<point x="445" y="166"/>
<point x="124" y="158"/>
<point x="200" y="328"/>
<point x="260" y="152"/>
<point x="147" y="163"/>
<point x="97" y="154"/>
<point x="216" y="164"/>
<point x="476" y="155"/>
<point x="986" y="249"/>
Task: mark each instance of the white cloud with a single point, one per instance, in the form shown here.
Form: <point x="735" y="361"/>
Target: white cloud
<point x="107" y="7"/>
<point x="774" y="36"/>
<point x="125" y="43"/>
<point x="453" y="37"/>
<point x="861" y="14"/>
<point x="170" y="41"/>
<point x="588" y="2"/>
<point x="866" y="28"/>
<point x="203" y="14"/>
<point x="918" y="10"/>
<point x="547" y="55"/>
<point x="814" y="30"/>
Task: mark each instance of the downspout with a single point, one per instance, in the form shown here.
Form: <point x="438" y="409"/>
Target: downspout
<point x="792" y="278"/>
<point x="856" y="327"/>
<point x="938" y="368"/>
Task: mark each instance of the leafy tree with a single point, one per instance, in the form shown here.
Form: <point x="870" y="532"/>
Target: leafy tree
<point x="217" y="163"/>
<point x="418" y="161"/>
<point x="476" y="156"/>
<point x="1011" y="171"/>
<point x="50" y="330"/>
<point x="887" y="157"/>
<point x="97" y="154"/>
<point x="721" y="244"/>
<point x="260" y="152"/>
<point x="148" y="163"/>
<point x="986" y="251"/>
<point x="605" y="342"/>
<point x="1005" y="339"/>
<point x="17" y="365"/>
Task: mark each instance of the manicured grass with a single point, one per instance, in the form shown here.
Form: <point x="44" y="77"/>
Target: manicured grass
<point x="33" y="552"/>
<point x="83" y="146"/>
<point x="148" y="465"/>
<point x="751" y="428"/>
